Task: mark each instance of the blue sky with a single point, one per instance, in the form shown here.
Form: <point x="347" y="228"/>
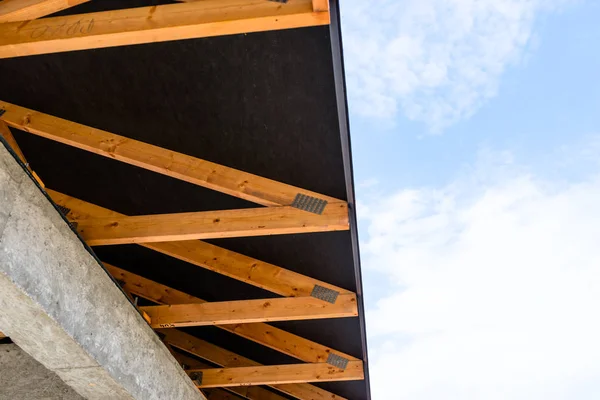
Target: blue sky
<point x="476" y="142"/>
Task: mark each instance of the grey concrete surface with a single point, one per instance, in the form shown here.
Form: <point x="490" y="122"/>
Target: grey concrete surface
<point x="23" y="378"/>
<point x="60" y="306"/>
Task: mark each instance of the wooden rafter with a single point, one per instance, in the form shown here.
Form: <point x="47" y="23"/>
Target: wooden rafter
<point x="246" y="269"/>
<point x="155" y="24"/>
<point x="261" y="333"/>
<point x="150" y="290"/>
<point x="320" y="5"/>
<point x="10" y="140"/>
<point x="250" y="393"/>
<point x="228" y="359"/>
<point x="24" y="10"/>
<point x="200" y="172"/>
<point x="278" y="374"/>
<point x="247" y="392"/>
<point x="2" y="335"/>
<point x="209" y="225"/>
<point x="249" y="311"/>
<point x="221" y="395"/>
<point x="266" y="276"/>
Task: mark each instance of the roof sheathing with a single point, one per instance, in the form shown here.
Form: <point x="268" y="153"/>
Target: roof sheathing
<point x="270" y="103"/>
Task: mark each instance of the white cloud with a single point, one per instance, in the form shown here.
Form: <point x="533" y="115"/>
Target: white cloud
<point x="495" y="287"/>
<point x="436" y="60"/>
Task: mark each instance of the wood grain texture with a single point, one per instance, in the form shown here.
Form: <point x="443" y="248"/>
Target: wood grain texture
<point x="246" y="269"/>
<point x="155" y="24"/>
<point x="320" y="5"/>
<point x="250" y="393"/>
<point x="250" y="311"/>
<point x="261" y="333"/>
<point x="200" y="172"/>
<point x="228" y="359"/>
<point x="148" y="289"/>
<point x="10" y="139"/>
<point x="210" y="225"/>
<point x="279" y="374"/>
<point x="24" y="10"/>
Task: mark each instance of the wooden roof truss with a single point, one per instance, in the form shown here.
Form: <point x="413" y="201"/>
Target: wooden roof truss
<point x="284" y="208"/>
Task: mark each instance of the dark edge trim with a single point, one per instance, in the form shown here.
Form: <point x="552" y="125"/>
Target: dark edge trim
<point x="335" y="31"/>
<point x="64" y="217"/>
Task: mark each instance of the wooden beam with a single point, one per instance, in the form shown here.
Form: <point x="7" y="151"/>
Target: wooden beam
<point x="24" y="10"/>
<point x="203" y="349"/>
<point x="155" y="24"/>
<point x="209" y="225"/>
<point x="10" y="139"/>
<point x="225" y="358"/>
<point x="80" y="210"/>
<point x="200" y="172"/>
<point x="246" y="269"/>
<point x="320" y="5"/>
<point x="2" y="335"/>
<point x="273" y="278"/>
<point x="228" y="359"/>
<point x="249" y="311"/>
<point x="254" y="392"/>
<point x="267" y="335"/>
<point x="187" y="363"/>
<point x="264" y="334"/>
<point x="279" y="374"/>
<point x="248" y="392"/>
<point x="150" y="290"/>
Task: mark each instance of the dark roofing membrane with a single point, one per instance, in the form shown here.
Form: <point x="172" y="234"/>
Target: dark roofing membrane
<point x="270" y="103"/>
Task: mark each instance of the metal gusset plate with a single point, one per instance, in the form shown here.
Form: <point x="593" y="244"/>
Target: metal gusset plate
<point x="196" y="377"/>
<point x="309" y="203"/>
<point x="64" y="210"/>
<point x="325" y="294"/>
<point x="337" y="361"/>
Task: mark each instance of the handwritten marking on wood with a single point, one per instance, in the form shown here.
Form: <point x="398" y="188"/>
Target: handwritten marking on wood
<point x="81" y="26"/>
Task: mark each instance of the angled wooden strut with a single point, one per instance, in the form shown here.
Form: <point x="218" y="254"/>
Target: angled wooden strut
<point x="261" y="333"/>
<point x="210" y="225"/>
<point x="249" y="311"/>
<point x="264" y="334"/>
<point x="228" y="359"/>
<point x="246" y="269"/>
<point x="155" y="24"/>
<point x="200" y="172"/>
<point x="247" y="392"/>
<point x="321" y="5"/>
<point x="318" y="5"/>
<point x="10" y="140"/>
<point x="24" y="10"/>
<point x="278" y="374"/>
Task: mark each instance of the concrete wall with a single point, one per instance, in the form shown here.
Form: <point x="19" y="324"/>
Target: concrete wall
<point x="59" y="305"/>
<point x="22" y="377"/>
